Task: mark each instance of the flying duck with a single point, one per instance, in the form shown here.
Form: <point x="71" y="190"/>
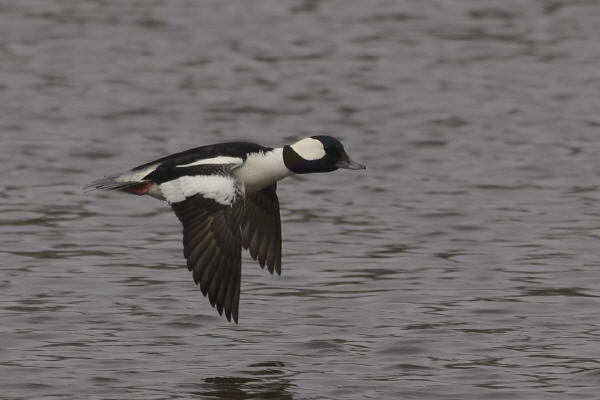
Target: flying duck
<point x="225" y="197"/>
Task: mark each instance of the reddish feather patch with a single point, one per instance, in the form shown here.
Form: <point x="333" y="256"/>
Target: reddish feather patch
<point x="138" y="188"/>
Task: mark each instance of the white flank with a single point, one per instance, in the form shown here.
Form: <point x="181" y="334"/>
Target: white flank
<point x="219" y="188"/>
<point x="262" y="169"/>
<point x="309" y="149"/>
<point x="214" y="160"/>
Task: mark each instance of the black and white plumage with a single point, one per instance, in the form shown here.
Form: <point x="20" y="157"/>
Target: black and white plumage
<point x="225" y="197"/>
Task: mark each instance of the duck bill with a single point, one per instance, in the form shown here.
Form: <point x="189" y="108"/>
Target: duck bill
<point x="349" y="164"/>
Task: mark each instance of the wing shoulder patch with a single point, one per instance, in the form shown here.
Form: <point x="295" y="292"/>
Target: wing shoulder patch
<point x="223" y="189"/>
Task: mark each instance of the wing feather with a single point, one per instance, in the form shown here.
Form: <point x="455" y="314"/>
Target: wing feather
<point x="261" y="229"/>
<point x="212" y="217"/>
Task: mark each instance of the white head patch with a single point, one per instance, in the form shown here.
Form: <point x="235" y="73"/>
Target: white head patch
<point x="309" y="149"/>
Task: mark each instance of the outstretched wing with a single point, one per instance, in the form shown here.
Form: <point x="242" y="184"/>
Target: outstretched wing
<point x="209" y="202"/>
<point x="261" y="230"/>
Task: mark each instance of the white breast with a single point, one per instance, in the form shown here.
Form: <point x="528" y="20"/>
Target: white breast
<point x="262" y="169"/>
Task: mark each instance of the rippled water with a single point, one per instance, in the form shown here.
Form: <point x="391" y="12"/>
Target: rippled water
<point x="463" y="264"/>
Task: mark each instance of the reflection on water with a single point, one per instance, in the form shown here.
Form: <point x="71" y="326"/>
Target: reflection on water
<point x="267" y="381"/>
<point x="463" y="264"/>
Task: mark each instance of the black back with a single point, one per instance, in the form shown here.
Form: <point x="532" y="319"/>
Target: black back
<point x="231" y="149"/>
<point x="167" y="171"/>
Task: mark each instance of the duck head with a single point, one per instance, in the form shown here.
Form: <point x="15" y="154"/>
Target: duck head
<point x="317" y="154"/>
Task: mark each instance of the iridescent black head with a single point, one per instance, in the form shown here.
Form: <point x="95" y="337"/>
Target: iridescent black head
<point x="317" y="154"/>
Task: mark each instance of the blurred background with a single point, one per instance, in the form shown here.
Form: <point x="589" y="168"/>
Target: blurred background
<point x="463" y="264"/>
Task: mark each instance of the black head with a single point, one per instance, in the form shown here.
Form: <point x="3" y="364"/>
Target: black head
<point x="317" y="154"/>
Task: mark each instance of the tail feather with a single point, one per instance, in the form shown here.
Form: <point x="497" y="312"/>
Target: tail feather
<point x="106" y="183"/>
<point x="111" y="183"/>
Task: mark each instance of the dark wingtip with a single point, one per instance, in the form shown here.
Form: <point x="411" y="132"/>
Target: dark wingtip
<point x="273" y="267"/>
<point x="203" y="289"/>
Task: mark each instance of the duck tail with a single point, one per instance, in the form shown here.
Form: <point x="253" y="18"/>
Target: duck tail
<point x="112" y="183"/>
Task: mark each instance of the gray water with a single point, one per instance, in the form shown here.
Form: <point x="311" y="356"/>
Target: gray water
<point x="464" y="264"/>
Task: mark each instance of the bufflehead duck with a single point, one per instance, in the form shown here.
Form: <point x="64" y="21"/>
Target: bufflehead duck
<point x="225" y="197"/>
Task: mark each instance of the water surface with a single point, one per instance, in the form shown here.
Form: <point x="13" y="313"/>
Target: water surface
<point x="463" y="264"/>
